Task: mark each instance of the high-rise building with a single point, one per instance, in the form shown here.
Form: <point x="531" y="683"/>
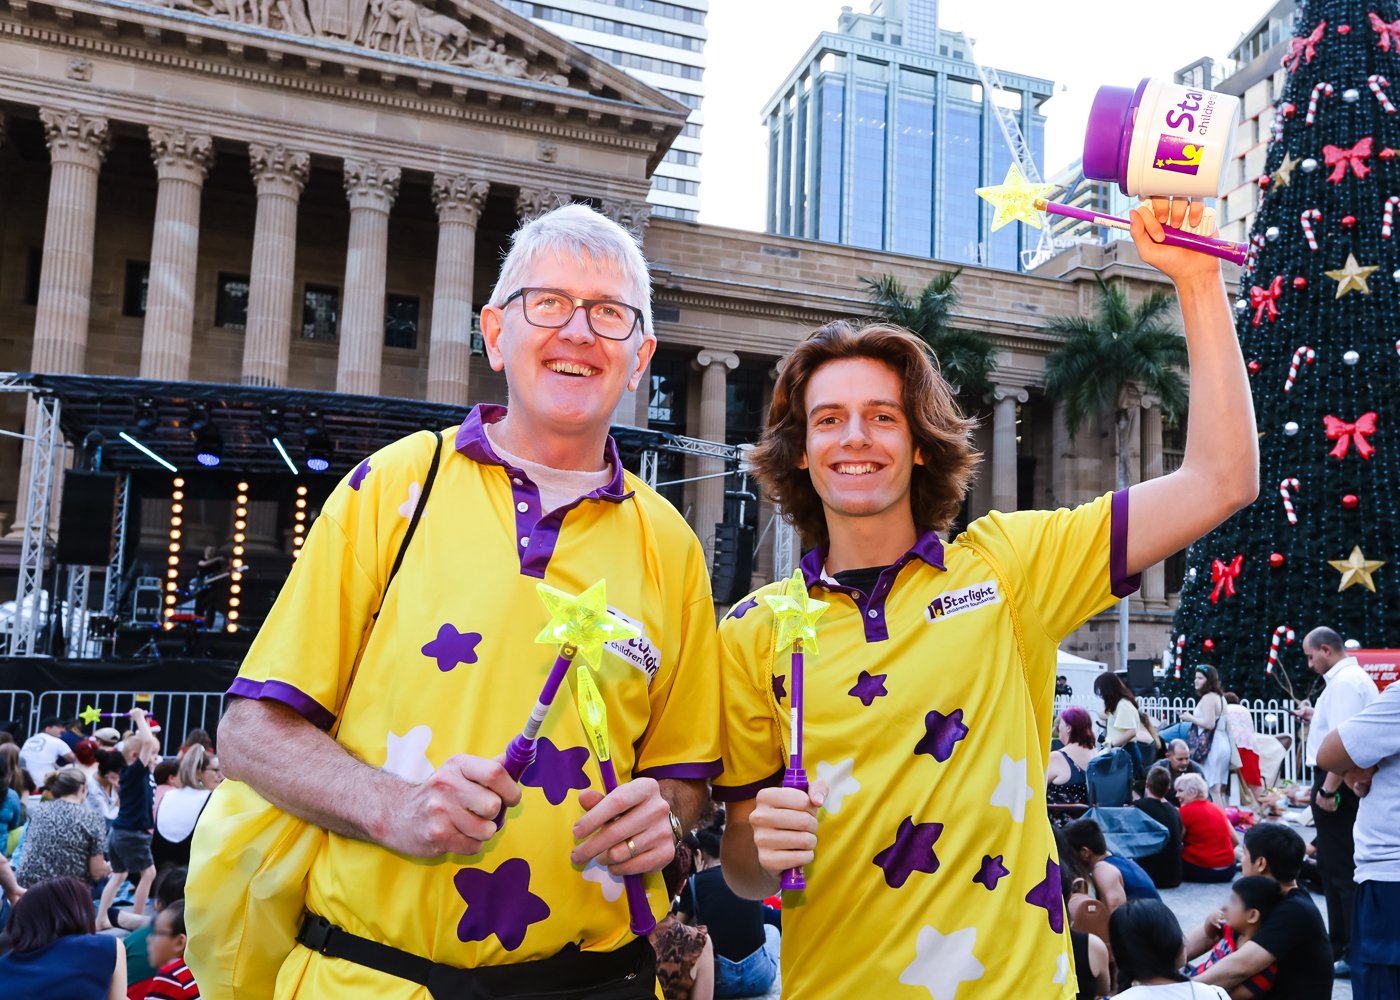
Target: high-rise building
<point x="881" y="134"/>
<point x="661" y="43"/>
<point x="1102" y="197"/>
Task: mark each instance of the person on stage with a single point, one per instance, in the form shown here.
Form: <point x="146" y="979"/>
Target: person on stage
<point x="426" y="691"/>
<point x="928" y="854"/>
<point x="207" y="585"/>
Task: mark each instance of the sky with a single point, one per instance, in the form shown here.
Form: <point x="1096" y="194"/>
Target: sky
<point x="1080" y="44"/>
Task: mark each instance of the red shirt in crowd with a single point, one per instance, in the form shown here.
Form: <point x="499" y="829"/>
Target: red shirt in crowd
<point x="1205" y="835"/>
<point x="173" y="981"/>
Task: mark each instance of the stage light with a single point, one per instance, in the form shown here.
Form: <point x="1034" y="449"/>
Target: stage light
<point x="235" y="589"/>
<point x="174" y="546"/>
<point x="317" y="458"/>
<point x="231" y="627"/>
<point x="238" y="537"/>
<point x="176" y="521"/>
<point x="175" y="533"/>
<point x="301" y="502"/>
<point x="179" y="483"/>
<point x="177" y="495"/>
<point x="145" y="451"/>
<point x="174" y="560"/>
<point x="233" y="615"/>
<point x="176" y="508"/>
<point x="277" y="443"/>
<point x="301" y="491"/>
<point x="208" y="448"/>
<point x="240" y="525"/>
<point x="301" y="515"/>
<point x="146" y="415"/>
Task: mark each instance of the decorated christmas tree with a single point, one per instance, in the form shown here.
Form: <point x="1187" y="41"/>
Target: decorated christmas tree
<point x="1319" y="324"/>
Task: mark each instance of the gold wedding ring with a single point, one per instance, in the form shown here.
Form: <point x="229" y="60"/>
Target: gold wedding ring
<point x="632" y="846"/>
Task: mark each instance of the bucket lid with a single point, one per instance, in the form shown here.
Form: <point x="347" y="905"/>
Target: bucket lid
<point x="1108" y="135"/>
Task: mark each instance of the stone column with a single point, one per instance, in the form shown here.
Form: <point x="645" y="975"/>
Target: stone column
<point x="459" y="199"/>
<point x="1154" y="586"/>
<point x="1005" y="399"/>
<point x="371" y="187"/>
<point x="182" y="159"/>
<point x="714" y="367"/>
<point x="280" y="174"/>
<point x="531" y="203"/>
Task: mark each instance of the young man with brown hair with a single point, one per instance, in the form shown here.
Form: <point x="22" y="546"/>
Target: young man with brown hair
<point x="929" y="706"/>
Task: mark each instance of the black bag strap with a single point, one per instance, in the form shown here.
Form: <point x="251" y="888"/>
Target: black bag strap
<point x="413" y="522"/>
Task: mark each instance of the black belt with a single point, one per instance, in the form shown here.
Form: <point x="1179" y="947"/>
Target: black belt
<point x="628" y="973"/>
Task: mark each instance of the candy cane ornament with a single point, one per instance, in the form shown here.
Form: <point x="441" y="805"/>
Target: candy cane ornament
<point x="1378" y="85"/>
<point x="1256" y="243"/>
<point x="1290" y="483"/>
<point x="1388" y="216"/>
<point x="1301" y="354"/>
<point x="1309" y="216"/>
<point x="1282" y="634"/>
<point x="1320" y="90"/>
<point x="1180" y="648"/>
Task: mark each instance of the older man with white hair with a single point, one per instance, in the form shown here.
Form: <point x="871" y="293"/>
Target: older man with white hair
<point x="415" y="889"/>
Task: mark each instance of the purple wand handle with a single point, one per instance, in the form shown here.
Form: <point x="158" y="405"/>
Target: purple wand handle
<point x="642" y="922"/>
<point x="796" y="774"/>
<point x="520" y="754"/>
<point x="1236" y="253"/>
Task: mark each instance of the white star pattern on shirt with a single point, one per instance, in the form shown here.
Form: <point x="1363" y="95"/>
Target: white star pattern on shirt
<point x="610" y="883"/>
<point x="943" y="962"/>
<point x="1061" y="969"/>
<point x="1013" y="793"/>
<point x="408" y="506"/>
<point x="841" y="781"/>
<point x="407" y="755"/>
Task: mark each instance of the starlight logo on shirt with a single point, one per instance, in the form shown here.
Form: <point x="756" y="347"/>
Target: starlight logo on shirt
<point x="640" y="652"/>
<point x="955" y="602"/>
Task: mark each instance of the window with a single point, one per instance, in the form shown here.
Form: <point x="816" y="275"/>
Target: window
<point x="683" y="157"/>
<point x="32" y="266"/>
<point x="630" y="60"/>
<point x="675" y="184"/>
<point x="671" y="212"/>
<point x="912" y="223"/>
<point x="832" y="110"/>
<point x="868" y="163"/>
<point x="320" y="312"/>
<point x="691" y="101"/>
<point x="401" y="321"/>
<point x="231" y="306"/>
<point x="961" y="155"/>
<point x="138" y="278"/>
<point x="543" y="12"/>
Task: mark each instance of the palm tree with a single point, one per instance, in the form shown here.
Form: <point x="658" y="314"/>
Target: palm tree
<point x="966" y="357"/>
<point x="1103" y="359"/>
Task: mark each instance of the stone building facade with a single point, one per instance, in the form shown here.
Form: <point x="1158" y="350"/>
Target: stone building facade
<point x="316" y="193"/>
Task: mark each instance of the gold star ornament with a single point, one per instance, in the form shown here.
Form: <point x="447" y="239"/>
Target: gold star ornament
<point x="1284" y="173"/>
<point x="583" y="622"/>
<point x="90" y="715"/>
<point x="1352" y="276"/>
<point x="1015" y="199"/>
<point x="796" y="613"/>
<point x="1355" y="569"/>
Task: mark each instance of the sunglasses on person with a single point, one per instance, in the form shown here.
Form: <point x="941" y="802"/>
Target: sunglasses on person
<point x="553" y="308"/>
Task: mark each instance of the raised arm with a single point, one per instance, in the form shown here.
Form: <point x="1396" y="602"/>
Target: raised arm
<point x="1219" y="473"/>
<point x="149" y="744"/>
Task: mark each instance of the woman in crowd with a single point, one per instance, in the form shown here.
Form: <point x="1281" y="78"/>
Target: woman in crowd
<point x="64" y="837"/>
<point x="102" y="785"/>
<point x="51" y="951"/>
<point x="199" y="775"/>
<point x="19" y="777"/>
<point x="1241" y="728"/>
<point x="196" y="737"/>
<point x="1066" y="783"/>
<point x="1127" y="726"/>
<point x="1209" y="716"/>
<point x="1208" y="840"/>
<point x="1150" y="951"/>
<point x="11" y="806"/>
<point x="85" y="756"/>
<point x="746" y="951"/>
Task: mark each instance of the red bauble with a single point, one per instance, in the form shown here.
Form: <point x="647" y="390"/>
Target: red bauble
<point x="1344" y="29"/>
<point x="1208" y="645"/>
<point x="1387" y="153"/>
<point x="1264" y="180"/>
<point x="1276" y="559"/>
<point x="1289" y="110"/>
<point x="1348" y="221"/>
<point x="1253" y="367"/>
<point x="1300" y="283"/>
<point x="1351" y="501"/>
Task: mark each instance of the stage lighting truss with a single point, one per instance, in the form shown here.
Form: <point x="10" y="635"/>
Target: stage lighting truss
<point x="172" y="575"/>
<point x="299" y="523"/>
<point x="318" y="452"/>
<point x="235" y="586"/>
<point x="208" y="445"/>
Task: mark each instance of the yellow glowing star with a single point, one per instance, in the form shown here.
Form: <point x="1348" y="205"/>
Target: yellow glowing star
<point x="583" y="622"/>
<point x="90" y="715"/>
<point x="796" y="613"/>
<point x="1356" y="568"/>
<point x="1015" y="198"/>
<point x="1352" y="275"/>
<point x="593" y="711"/>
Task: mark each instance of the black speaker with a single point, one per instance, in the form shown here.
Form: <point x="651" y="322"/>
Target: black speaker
<point x="733" y="568"/>
<point x="1140" y="677"/>
<point x="87" y="519"/>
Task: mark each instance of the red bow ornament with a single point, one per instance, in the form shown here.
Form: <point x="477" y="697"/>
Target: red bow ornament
<point x="1346" y="434"/>
<point x="1223" y="575"/>
<point x="1390" y="33"/>
<point x="1265" y="300"/>
<point x="1355" y="157"/>
<point x="1304" y="48"/>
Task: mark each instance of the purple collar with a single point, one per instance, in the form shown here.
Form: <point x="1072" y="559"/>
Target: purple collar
<point x="473" y="443"/>
<point x="927" y="547"/>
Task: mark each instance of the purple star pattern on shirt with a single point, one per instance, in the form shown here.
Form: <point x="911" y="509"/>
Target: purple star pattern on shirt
<point x="357" y="477"/>
<point x="780" y="686"/>
<point x="912" y="851"/>
<point x="992" y="872"/>
<point x="742" y="608"/>
<point x="498" y="903"/>
<point x="869" y="687"/>
<point x="452" y="647"/>
<point x="556" y="771"/>
<point x="943" y="733"/>
<point x="1048" y="894"/>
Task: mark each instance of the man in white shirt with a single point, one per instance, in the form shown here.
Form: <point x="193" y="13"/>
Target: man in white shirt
<point x="1349" y="690"/>
<point x="44" y="751"/>
<point x="1366" y="749"/>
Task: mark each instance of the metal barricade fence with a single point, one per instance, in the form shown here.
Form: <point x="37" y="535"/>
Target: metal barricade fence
<point x="177" y="712"/>
<point x="18" y="707"/>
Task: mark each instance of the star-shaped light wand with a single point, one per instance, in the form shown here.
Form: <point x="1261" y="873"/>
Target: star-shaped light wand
<point x="594" y="713"/>
<point x="580" y="626"/>
<point x="1017" y="199"/>
<point x="795" y="614"/>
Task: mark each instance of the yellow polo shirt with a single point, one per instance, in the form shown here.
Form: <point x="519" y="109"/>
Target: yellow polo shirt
<point x="451" y="667"/>
<point x="928" y="711"/>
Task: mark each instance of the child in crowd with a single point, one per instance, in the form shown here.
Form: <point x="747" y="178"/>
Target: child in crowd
<point x="165" y="949"/>
<point x="1149" y="948"/>
<point x="1252" y="900"/>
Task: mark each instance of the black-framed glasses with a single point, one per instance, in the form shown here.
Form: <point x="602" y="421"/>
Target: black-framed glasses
<point x="552" y="308"/>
